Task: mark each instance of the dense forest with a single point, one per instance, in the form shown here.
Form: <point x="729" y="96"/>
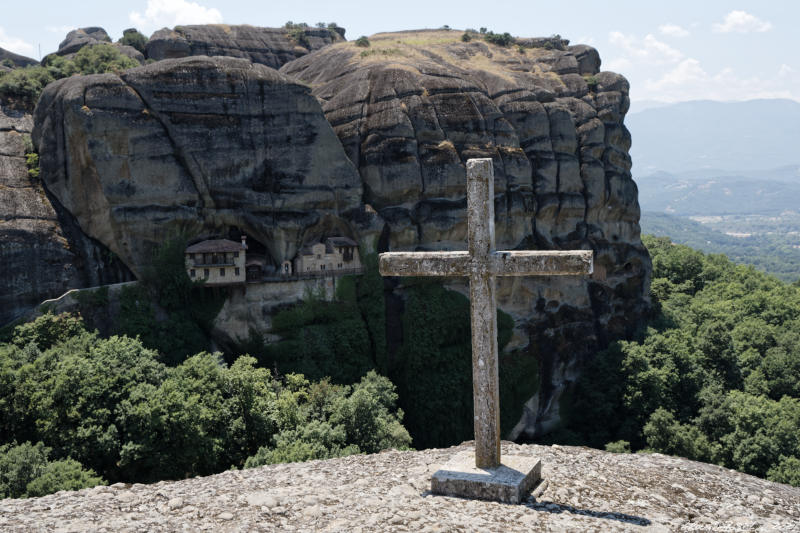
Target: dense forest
<point x="714" y="376"/>
<point x="771" y="245"/>
<point x="107" y="409"/>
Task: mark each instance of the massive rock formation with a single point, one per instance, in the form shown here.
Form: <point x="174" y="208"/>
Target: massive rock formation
<point x="272" y="47"/>
<point x="196" y="145"/>
<point x="410" y="110"/>
<point x="222" y="145"/>
<point x="42" y="251"/>
<point x="584" y="490"/>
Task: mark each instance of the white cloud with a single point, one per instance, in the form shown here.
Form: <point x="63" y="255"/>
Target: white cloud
<point x="688" y="80"/>
<point x="686" y="72"/>
<point x="785" y="71"/>
<point x="741" y="22"/>
<point x="160" y="13"/>
<point x="15" y="44"/>
<point x="60" y="30"/>
<point x="649" y="48"/>
<point x="618" y="64"/>
<point x="673" y="30"/>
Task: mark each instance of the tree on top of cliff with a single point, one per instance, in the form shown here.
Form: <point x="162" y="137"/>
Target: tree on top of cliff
<point x="28" y="83"/>
<point x="133" y="37"/>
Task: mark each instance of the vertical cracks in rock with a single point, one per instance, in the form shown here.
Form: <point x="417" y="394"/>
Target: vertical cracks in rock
<point x="200" y="183"/>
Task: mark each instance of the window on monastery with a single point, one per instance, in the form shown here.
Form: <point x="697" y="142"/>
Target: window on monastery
<point x="235" y="255"/>
<point x="192" y="273"/>
<point x="221" y="271"/>
<point x="319" y="256"/>
<point x="322" y="267"/>
<point x="236" y="271"/>
<point x="339" y="265"/>
<point x="205" y="272"/>
<point x="191" y="256"/>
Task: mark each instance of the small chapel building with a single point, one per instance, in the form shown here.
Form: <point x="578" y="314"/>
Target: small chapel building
<point x="334" y="253"/>
<point x="217" y="261"/>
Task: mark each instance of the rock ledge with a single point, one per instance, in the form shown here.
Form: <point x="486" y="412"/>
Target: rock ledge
<point x="586" y="490"/>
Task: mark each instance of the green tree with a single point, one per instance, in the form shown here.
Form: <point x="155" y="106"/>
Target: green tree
<point x="25" y="83"/>
<point x="28" y="83"/>
<point x="48" y="330"/>
<point x="102" y="58"/>
<point x="321" y="420"/>
<point x="787" y="470"/>
<point x="503" y="39"/>
<point x="132" y="37"/>
<point x="26" y="471"/>
<point x="712" y="377"/>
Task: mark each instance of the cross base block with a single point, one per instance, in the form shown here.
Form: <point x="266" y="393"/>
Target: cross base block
<point x="508" y="483"/>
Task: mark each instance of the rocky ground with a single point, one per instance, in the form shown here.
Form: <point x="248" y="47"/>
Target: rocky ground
<point x="584" y="490"/>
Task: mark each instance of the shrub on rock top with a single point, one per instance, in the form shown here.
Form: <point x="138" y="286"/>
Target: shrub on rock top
<point x="132" y="37"/>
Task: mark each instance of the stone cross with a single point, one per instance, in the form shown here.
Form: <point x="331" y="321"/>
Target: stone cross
<point x="482" y="264"/>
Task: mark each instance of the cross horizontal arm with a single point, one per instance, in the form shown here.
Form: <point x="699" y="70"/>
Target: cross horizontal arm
<point x="512" y="263"/>
<point x="542" y="263"/>
<point x="424" y="264"/>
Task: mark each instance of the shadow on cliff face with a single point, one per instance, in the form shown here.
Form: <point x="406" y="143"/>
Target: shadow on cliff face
<point x="412" y="108"/>
<point x="135" y="156"/>
<point x="43" y="250"/>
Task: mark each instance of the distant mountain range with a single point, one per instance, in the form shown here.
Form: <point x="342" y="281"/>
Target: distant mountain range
<point x="717" y="192"/>
<point x="717" y="158"/>
<point x="700" y="135"/>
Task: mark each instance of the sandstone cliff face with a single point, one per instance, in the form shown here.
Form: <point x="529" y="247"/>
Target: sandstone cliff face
<point x="272" y="47"/>
<point x="412" y="108"/>
<point x="207" y="146"/>
<point x="196" y="145"/>
<point x="42" y="252"/>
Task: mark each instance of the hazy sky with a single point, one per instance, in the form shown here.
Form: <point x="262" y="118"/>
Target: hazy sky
<point x="670" y="51"/>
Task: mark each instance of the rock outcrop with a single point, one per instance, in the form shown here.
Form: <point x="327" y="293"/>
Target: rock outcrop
<point x="272" y="47"/>
<point x="197" y="146"/>
<point x="43" y="253"/>
<point x="583" y="490"/>
<point x="15" y="59"/>
<point x="77" y="39"/>
<point x="414" y="106"/>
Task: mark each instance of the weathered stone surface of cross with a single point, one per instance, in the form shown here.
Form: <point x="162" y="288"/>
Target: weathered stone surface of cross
<point x="482" y="264"/>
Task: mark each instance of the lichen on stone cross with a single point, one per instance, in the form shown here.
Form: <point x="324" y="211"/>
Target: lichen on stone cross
<point x="481" y="263"/>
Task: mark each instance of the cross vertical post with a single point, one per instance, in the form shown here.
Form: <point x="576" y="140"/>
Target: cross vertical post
<point x="485" y="476"/>
<point x="483" y="312"/>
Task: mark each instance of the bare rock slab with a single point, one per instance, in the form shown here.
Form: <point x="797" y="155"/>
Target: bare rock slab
<point x="508" y="483"/>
